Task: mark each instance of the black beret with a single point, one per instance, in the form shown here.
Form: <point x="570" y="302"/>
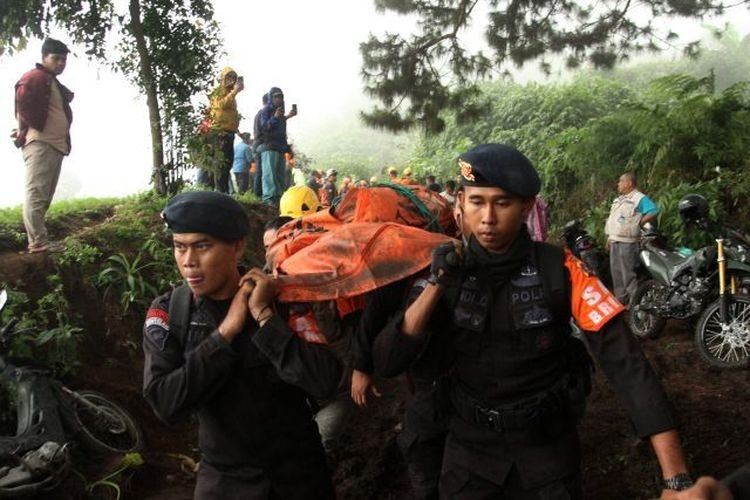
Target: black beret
<point x="498" y="165"/>
<point x="208" y="212"/>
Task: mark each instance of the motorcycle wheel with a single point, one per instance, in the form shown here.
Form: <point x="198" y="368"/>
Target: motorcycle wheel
<point x="725" y="346"/>
<point x="645" y="324"/>
<point x="105" y="426"/>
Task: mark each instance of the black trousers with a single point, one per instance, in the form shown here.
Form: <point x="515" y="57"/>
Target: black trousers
<point x="221" y="181"/>
<point x="480" y="463"/>
<point x="298" y="478"/>
<point x="421" y="442"/>
<point x="258" y="178"/>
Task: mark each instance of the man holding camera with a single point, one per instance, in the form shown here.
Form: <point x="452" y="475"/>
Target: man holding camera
<point x="500" y="304"/>
<point x="217" y="347"/>
<point x="273" y="128"/>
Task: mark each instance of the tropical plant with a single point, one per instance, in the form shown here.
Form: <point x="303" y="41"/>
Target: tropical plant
<point x="138" y="279"/>
<point x="46" y="328"/>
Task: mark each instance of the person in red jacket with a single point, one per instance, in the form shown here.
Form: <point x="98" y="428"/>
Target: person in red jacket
<point x="43" y="114"/>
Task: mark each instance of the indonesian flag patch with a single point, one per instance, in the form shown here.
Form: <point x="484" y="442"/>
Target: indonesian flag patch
<point x="157" y="326"/>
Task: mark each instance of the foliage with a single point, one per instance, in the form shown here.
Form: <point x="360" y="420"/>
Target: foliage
<point x="415" y="77"/>
<point x="46" y="327"/>
<point x="676" y="133"/>
<point x="205" y="150"/>
<point x="183" y="42"/>
<point x="724" y="54"/>
<point x="526" y="116"/>
<point x="109" y="485"/>
<point x="24" y="19"/>
<point x="76" y="253"/>
<point x="167" y="48"/>
<point x="140" y="278"/>
<point x="78" y="207"/>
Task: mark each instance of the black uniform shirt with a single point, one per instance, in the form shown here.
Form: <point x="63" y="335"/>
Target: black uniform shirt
<point x="250" y="395"/>
<point x="504" y="359"/>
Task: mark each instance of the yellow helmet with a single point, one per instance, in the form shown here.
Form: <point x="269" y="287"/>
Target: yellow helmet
<point x="298" y="201"/>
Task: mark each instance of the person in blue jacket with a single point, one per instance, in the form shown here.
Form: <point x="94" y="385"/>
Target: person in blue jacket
<point x="273" y="126"/>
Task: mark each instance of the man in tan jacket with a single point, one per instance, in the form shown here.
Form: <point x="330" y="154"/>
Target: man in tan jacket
<point x="630" y="210"/>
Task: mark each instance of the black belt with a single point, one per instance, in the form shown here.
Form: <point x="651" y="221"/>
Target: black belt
<point x="516" y="416"/>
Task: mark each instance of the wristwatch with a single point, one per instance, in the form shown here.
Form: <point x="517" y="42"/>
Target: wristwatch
<point x="681" y="481"/>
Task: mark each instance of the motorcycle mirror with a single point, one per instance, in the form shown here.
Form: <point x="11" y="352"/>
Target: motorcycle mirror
<point x="3" y="299"/>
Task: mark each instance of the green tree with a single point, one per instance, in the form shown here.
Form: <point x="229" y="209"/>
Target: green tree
<point x="167" y="48"/>
<point x="677" y="133"/>
<point x="416" y="77"/>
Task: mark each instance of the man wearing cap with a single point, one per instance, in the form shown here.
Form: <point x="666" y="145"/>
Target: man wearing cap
<point x="273" y="128"/>
<point x="500" y="304"/>
<point x="225" y="354"/>
<point x="43" y="115"/>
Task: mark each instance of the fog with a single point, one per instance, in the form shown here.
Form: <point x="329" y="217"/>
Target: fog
<point x="309" y="49"/>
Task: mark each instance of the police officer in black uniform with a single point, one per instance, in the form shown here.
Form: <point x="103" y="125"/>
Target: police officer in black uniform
<point x="501" y="304"/>
<point x="235" y="363"/>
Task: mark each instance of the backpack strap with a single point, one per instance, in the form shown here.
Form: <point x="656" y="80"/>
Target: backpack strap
<point x="550" y="262"/>
<point x="179" y="310"/>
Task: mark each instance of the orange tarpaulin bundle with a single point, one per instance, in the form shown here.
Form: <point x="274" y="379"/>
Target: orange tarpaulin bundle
<point x="410" y="205"/>
<point x="372" y="238"/>
<point x="354" y="259"/>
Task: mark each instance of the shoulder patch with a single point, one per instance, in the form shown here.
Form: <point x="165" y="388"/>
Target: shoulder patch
<point x="157" y="317"/>
<point x="156" y="327"/>
<point x="591" y="303"/>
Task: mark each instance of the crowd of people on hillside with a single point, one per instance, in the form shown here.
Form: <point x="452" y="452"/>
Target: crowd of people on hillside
<point x="476" y="312"/>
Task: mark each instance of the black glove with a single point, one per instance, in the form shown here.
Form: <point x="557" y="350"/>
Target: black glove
<point x="446" y="265"/>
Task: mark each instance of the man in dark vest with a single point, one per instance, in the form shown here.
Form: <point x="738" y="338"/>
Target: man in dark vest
<point x="501" y="304"/>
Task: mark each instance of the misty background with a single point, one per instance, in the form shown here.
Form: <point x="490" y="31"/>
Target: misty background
<point x="309" y="49"/>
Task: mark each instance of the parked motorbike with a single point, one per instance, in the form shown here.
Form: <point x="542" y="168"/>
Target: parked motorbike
<point x="692" y="286"/>
<point x="52" y="421"/>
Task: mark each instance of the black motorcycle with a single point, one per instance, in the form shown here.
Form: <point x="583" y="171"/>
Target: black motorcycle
<point x="52" y="421"/>
<point x="711" y="285"/>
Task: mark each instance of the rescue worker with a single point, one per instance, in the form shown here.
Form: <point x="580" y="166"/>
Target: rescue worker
<point x="319" y="322"/>
<point x="406" y="178"/>
<point x="218" y="348"/>
<point x="500" y="304"/>
<point x="298" y="201"/>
